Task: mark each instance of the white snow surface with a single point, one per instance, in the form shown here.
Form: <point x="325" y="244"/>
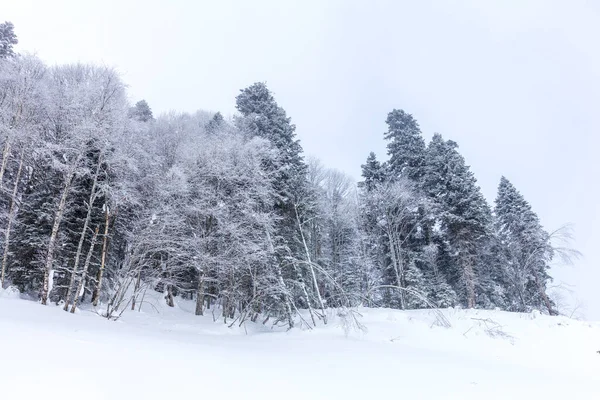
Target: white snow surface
<point x="162" y="352"/>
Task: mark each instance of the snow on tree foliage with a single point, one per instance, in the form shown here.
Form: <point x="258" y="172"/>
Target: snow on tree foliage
<point x="8" y="39"/>
<point x="406" y="146"/>
<point x="263" y="117"/>
<point x="141" y="111"/>
<point x="527" y="250"/>
<point x="373" y="173"/>
<point x="463" y="213"/>
<point x="102" y="203"/>
<point x="216" y="124"/>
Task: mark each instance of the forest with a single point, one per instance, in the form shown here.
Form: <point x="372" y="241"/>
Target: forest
<point x="101" y="202"/>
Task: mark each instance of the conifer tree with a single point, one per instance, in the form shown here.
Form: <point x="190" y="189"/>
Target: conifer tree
<point x="8" y="39"/>
<point x="406" y="146"/>
<point x="141" y="111"/>
<point x="372" y="172"/>
<point x="216" y="123"/>
<point x="265" y="118"/>
<point x="462" y="212"/>
<point x="528" y="251"/>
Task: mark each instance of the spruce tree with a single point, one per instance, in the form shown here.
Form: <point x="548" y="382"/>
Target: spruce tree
<point x="373" y="173"/>
<point x="264" y="118"/>
<point x="216" y="124"/>
<point x="462" y="212"/>
<point x="528" y="251"/>
<point x="406" y="147"/>
<point x="8" y="39"/>
<point x="141" y="111"/>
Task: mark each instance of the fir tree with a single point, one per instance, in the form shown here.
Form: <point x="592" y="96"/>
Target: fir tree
<point x="216" y="123"/>
<point x="141" y="111"/>
<point x="463" y="213"/>
<point x="7" y="39"/>
<point x="528" y="251"/>
<point x="264" y="118"/>
<point x="406" y="147"/>
<point x="372" y="172"/>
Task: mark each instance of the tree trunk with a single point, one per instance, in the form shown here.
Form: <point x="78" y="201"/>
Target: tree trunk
<point x="543" y="294"/>
<point x="469" y="277"/>
<point x="398" y="270"/>
<point x="86" y="266"/>
<point x="312" y="269"/>
<point x="11" y="216"/>
<point x="48" y="269"/>
<point x="169" y="296"/>
<point x="136" y="288"/>
<point x="300" y="280"/>
<point x="5" y="154"/>
<point x="168" y="285"/>
<point x="86" y="222"/>
<point x="103" y="260"/>
<point x="200" y="295"/>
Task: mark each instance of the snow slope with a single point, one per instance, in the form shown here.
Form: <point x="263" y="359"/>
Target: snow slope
<point x="168" y="353"/>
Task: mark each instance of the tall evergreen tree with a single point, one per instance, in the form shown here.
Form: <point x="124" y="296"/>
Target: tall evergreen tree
<point x="8" y="39"/>
<point x="216" y="123"/>
<point x="528" y="251"/>
<point x="141" y="111"/>
<point x="462" y="212"/>
<point x="266" y="119"/>
<point x="263" y="117"/>
<point x="373" y="173"/>
<point x="406" y="147"/>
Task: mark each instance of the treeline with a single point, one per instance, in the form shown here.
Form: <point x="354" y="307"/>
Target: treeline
<point x="101" y="202"/>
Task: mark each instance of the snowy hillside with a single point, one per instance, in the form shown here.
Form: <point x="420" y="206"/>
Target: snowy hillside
<point x="163" y="352"/>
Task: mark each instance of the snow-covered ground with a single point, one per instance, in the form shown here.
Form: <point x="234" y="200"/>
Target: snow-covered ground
<point x="163" y="353"/>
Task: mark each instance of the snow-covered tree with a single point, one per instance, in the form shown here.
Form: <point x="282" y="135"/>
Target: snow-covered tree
<point x="463" y="215"/>
<point x="141" y="111"/>
<point x="395" y="211"/>
<point x="528" y="250"/>
<point x="406" y="146"/>
<point x="373" y="173"/>
<point x="8" y="39"/>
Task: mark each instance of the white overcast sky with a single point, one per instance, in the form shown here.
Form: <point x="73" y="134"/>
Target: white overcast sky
<point x="515" y="83"/>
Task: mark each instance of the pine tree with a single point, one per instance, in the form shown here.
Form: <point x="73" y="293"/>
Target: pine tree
<point x="406" y="147"/>
<point x="216" y="124"/>
<point x="462" y="212"/>
<point x="141" y="111"/>
<point x="264" y="118"/>
<point x="528" y="251"/>
<point x="372" y="172"/>
<point x="7" y="39"/>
